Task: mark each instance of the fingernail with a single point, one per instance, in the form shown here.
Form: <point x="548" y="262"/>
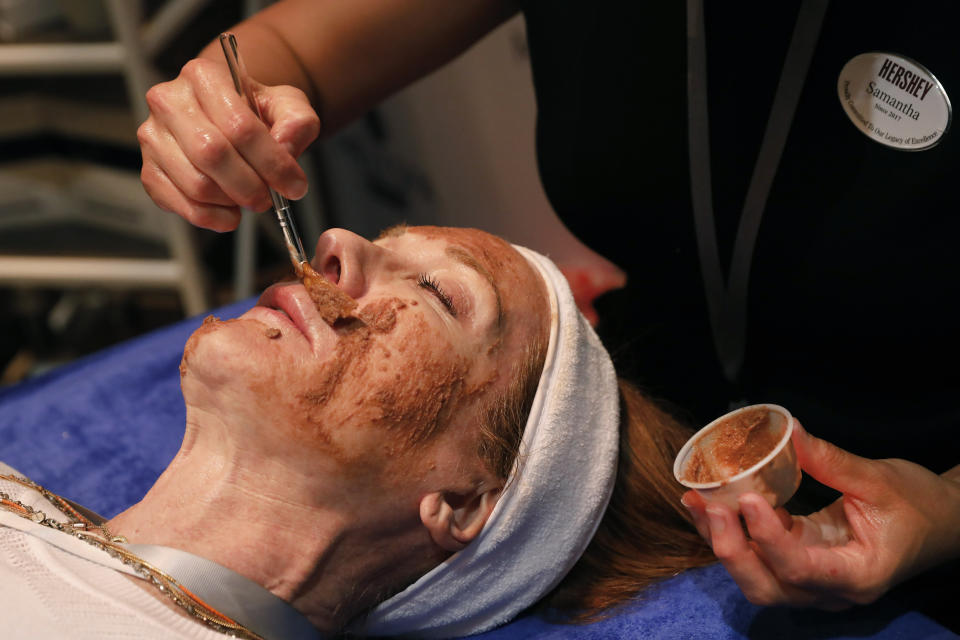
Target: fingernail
<point x="685" y="501"/>
<point x="716" y="521"/>
<point x="298" y="188"/>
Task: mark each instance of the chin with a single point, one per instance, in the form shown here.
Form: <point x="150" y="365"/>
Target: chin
<point x="222" y="353"/>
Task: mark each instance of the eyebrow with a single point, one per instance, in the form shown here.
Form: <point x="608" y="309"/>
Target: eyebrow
<point x="463" y="257"/>
<point x="394" y="231"/>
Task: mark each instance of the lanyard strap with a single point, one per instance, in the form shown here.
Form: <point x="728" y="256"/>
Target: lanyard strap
<point x="230" y="593"/>
<point x="727" y="306"/>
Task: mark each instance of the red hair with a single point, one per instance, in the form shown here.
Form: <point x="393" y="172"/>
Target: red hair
<point x="646" y="534"/>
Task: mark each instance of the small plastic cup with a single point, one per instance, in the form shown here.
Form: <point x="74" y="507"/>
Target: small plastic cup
<point x="712" y="464"/>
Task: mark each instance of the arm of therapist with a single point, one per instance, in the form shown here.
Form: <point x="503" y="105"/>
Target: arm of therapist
<point x="205" y="154"/>
<point x="894" y="520"/>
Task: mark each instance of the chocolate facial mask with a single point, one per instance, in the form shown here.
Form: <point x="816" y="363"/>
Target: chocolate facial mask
<point x="332" y="303"/>
<point x="734" y="445"/>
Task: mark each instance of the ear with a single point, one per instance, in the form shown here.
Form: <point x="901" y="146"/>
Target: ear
<point x="454" y="520"/>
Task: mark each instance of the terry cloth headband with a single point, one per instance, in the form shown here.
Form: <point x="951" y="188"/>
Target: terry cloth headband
<point x="553" y="502"/>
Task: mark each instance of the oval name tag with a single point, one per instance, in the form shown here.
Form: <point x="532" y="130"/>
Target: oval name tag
<point x="894" y="101"/>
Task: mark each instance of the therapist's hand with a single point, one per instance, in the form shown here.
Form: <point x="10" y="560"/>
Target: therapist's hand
<point x="895" y="519"/>
<point x="205" y="153"/>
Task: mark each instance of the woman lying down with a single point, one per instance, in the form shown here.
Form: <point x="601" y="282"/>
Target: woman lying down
<point x="427" y="443"/>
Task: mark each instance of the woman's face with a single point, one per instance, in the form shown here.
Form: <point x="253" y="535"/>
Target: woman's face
<point x="442" y="319"/>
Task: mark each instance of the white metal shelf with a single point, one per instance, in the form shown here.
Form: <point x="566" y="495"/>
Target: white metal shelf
<point x="98" y="196"/>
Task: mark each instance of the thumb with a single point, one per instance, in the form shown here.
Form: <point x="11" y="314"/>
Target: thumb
<point x="291" y="118"/>
<point x="829" y="464"/>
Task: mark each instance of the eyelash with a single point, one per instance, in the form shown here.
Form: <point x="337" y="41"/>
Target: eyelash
<point x="427" y="282"/>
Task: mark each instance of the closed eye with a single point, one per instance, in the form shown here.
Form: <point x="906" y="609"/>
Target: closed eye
<point x="425" y="281"/>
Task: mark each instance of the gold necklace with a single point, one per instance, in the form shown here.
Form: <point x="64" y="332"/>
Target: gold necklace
<point x="85" y="529"/>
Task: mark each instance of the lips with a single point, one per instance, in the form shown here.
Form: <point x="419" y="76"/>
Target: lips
<point x="292" y="299"/>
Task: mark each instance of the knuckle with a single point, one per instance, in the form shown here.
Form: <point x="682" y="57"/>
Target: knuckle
<point x="209" y="151"/>
<point x="884" y="472"/>
<point x="308" y="124"/>
<point x="156" y="194"/>
<point x="242" y="127"/>
<point x="298" y="94"/>
<point x="150" y="186"/>
<point x="793" y="575"/>
<point x="147" y="178"/>
<point x="301" y="130"/>
<point x="152" y="177"/>
<point x="202" y="188"/>
<point x="194" y="68"/>
<point x="156" y="97"/>
<point x="723" y="552"/>
<point x="145" y="133"/>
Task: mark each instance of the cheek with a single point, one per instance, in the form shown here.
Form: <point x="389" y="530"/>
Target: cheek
<point x="390" y="386"/>
<point x="419" y="388"/>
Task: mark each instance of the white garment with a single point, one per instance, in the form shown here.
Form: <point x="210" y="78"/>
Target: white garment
<point x="47" y="592"/>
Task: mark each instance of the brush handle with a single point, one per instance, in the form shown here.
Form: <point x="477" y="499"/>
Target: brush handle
<point x="241" y="81"/>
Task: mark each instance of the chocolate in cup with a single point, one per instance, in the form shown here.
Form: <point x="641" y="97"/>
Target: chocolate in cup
<point x="746" y="450"/>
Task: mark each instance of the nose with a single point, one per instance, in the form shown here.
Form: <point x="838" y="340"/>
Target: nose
<point x="342" y="257"/>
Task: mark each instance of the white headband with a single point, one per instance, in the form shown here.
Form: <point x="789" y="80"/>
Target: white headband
<point x="554" y="500"/>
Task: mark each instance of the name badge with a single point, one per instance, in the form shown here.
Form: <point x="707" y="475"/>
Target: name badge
<point x="894" y="101"/>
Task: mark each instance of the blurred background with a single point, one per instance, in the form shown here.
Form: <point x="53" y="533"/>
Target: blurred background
<point x="86" y="259"/>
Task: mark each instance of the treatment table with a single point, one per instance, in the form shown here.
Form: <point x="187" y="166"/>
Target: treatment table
<point x="100" y="430"/>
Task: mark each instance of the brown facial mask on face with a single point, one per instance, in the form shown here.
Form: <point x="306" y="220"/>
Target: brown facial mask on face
<point x="332" y="303"/>
<point x="411" y="406"/>
<point x="419" y="401"/>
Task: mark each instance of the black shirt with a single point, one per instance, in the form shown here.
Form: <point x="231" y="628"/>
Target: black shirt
<point x="855" y="275"/>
